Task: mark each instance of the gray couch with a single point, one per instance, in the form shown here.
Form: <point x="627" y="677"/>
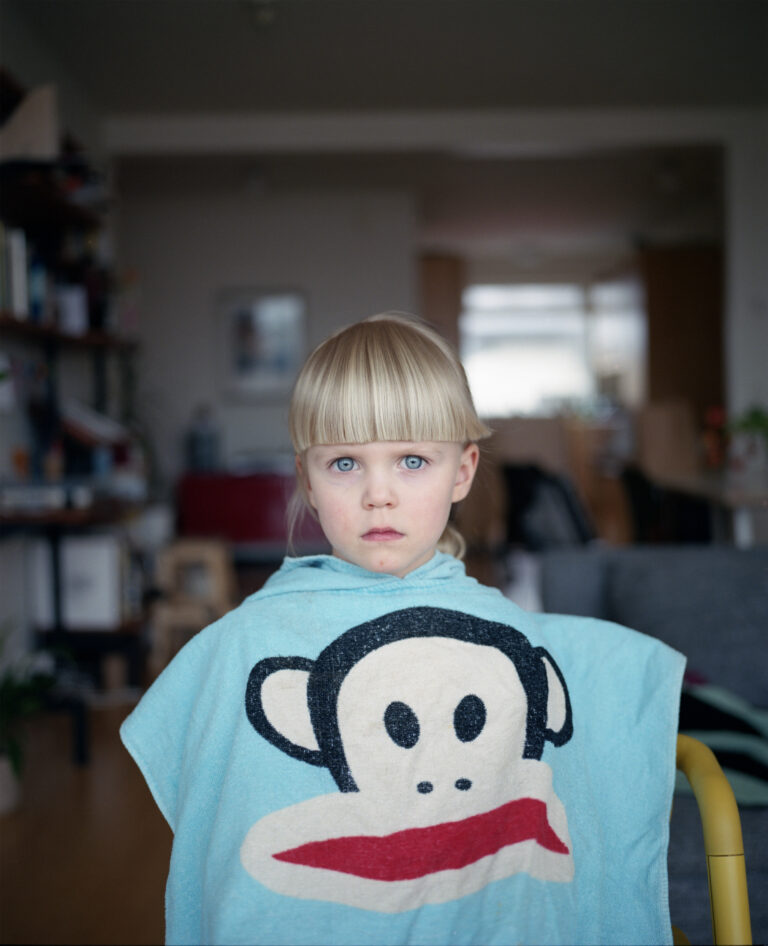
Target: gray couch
<point x="711" y="603"/>
<point x="708" y="601"/>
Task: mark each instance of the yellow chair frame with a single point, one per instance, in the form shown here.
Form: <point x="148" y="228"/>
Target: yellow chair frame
<point x="723" y="843"/>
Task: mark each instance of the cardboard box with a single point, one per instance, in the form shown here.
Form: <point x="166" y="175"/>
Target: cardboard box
<point x="92" y="582"/>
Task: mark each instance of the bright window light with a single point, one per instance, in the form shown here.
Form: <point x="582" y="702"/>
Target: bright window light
<point x="537" y="349"/>
<point x="618" y="340"/>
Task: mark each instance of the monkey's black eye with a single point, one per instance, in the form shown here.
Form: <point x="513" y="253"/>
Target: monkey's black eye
<point x="402" y="725"/>
<point x="469" y="718"/>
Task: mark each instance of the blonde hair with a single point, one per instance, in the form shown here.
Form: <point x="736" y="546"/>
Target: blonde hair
<point x="389" y="377"/>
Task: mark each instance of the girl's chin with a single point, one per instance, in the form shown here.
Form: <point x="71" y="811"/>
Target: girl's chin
<point x="377" y="560"/>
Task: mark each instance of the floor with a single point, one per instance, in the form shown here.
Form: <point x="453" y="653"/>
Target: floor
<point x="84" y="858"/>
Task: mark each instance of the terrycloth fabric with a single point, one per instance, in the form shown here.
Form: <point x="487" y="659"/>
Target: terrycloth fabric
<point x="356" y="758"/>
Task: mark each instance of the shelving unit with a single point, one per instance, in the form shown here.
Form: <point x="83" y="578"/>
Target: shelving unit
<point x="42" y="200"/>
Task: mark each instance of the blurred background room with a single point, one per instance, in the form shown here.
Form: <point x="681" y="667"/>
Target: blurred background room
<point x="194" y="193"/>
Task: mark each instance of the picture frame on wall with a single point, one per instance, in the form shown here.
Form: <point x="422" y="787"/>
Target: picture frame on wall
<point x="262" y="335"/>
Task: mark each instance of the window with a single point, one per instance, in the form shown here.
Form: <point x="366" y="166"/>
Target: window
<point x="618" y="346"/>
<point x="536" y="349"/>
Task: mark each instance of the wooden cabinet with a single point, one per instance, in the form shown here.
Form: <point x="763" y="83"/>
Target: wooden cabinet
<point x="684" y="302"/>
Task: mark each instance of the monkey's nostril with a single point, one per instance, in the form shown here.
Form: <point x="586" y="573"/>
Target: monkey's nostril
<point x="424" y="787"/>
<point x="463" y="784"/>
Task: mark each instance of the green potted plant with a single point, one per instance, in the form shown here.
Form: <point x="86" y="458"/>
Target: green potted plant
<point x="749" y="449"/>
<point x="23" y="685"/>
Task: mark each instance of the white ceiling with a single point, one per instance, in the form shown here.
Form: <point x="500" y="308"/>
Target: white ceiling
<point x="172" y="58"/>
<point x="140" y="56"/>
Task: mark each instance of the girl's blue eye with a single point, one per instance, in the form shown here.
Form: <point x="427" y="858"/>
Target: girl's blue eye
<point x="344" y="464"/>
<point x="413" y="462"/>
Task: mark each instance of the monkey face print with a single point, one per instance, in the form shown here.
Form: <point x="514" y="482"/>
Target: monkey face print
<point x="432" y="724"/>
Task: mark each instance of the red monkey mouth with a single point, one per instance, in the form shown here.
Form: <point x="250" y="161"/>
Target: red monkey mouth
<point x="415" y="852"/>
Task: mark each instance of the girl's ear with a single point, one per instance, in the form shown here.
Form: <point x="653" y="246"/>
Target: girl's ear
<point x="466" y="471"/>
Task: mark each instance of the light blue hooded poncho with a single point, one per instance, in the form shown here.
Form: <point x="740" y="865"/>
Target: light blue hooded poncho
<point x="355" y="758"/>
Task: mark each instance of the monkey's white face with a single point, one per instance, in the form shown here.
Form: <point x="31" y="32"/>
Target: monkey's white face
<point x="444" y="729"/>
<point x="433" y="731"/>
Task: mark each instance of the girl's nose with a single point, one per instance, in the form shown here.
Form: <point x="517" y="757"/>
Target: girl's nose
<point x="378" y="493"/>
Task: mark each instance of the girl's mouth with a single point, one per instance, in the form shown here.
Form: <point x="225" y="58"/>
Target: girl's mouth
<point x="382" y="535"/>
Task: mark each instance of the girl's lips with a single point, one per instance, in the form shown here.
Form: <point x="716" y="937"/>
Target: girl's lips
<point x="382" y="535"/>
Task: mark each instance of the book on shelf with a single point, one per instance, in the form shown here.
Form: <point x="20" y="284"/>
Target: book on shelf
<point x="5" y="289"/>
<point x="26" y="289"/>
<point x="16" y="268"/>
<point x="90" y="426"/>
<point x="34" y="498"/>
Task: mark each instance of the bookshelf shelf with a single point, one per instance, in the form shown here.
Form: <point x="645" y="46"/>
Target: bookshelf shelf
<point x="38" y="333"/>
<point x="101" y="513"/>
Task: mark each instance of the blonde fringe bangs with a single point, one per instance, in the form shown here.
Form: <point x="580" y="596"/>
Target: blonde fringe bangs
<point x="388" y="378"/>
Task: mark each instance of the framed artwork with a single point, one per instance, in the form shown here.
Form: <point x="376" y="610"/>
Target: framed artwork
<point x="262" y="340"/>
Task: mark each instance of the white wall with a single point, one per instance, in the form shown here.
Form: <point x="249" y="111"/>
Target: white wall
<point x="350" y="253"/>
<point x="747" y="267"/>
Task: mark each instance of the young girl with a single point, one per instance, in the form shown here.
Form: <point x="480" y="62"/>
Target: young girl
<point x="374" y="748"/>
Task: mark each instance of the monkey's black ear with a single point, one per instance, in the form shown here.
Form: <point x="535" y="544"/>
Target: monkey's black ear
<point x="277" y="708"/>
<point x="559" y="728"/>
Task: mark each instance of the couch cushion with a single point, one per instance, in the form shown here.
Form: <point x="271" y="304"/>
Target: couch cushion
<point x="574" y="581"/>
<point x="709" y="602"/>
